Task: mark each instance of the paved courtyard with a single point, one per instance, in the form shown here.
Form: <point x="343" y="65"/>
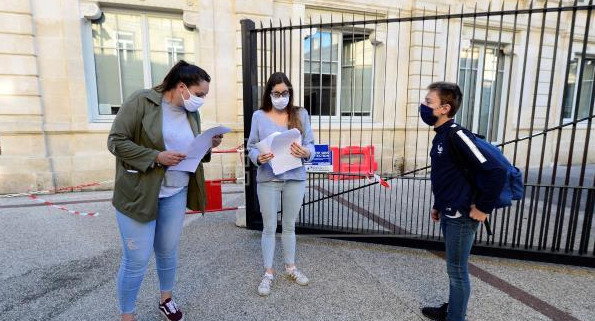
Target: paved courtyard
<point x="59" y="266"/>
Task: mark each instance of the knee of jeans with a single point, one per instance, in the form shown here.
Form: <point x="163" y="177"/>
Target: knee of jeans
<point x="166" y="246"/>
<point x="135" y="263"/>
<point x="165" y="254"/>
<point x="455" y="270"/>
<point x="288" y="229"/>
<point x="269" y="230"/>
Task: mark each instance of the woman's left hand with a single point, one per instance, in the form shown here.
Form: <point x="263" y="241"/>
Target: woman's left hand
<point x="299" y="151"/>
<point x="216" y="141"/>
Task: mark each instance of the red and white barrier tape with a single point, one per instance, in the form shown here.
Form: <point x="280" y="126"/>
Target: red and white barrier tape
<point x="238" y="149"/>
<point x="32" y="194"/>
<point x="50" y="204"/>
<point x="216" y="210"/>
<point x="33" y="197"/>
<point x="377" y="178"/>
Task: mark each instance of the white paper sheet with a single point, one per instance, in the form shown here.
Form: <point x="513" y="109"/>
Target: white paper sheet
<point x="198" y="149"/>
<point x="280" y="145"/>
<point x="264" y="146"/>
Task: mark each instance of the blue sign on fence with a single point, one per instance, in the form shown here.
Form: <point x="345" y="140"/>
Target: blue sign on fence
<point x="323" y="160"/>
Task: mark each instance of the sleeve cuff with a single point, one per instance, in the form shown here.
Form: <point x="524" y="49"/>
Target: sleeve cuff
<point x="254" y="158"/>
<point x="153" y="161"/>
<point x="485" y="208"/>
<point x="312" y="153"/>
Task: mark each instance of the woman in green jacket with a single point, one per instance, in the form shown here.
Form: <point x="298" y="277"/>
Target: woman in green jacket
<point x="151" y="129"/>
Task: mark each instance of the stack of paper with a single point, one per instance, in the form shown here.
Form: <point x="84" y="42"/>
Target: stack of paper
<point x="280" y="145"/>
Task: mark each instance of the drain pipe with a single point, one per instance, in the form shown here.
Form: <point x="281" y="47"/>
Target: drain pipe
<point x="47" y="153"/>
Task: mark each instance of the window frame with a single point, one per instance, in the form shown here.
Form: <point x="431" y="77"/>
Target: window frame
<point x="89" y="56"/>
<point x="341" y="33"/>
<point x="483" y="46"/>
<point x="579" y="61"/>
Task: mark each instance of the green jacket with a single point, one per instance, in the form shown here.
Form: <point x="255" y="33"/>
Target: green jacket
<point x="135" y="139"/>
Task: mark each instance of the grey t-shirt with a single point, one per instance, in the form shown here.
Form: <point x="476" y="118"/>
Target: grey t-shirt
<point x="177" y="136"/>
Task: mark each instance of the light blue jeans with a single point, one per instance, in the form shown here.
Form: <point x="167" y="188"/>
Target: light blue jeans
<point x="268" y="196"/>
<point x="139" y="240"/>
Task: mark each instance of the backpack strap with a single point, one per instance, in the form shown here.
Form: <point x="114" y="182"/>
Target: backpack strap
<point x="461" y="161"/>
<point x="460" y="158"/>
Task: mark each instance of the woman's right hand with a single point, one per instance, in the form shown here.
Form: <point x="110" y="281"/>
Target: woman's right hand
<point x="170" y="158"/>
<point x="264" y="158"/>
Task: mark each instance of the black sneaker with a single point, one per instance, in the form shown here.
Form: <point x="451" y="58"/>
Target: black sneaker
<point x="435" y="313"/>
<point x="170" y="310"/>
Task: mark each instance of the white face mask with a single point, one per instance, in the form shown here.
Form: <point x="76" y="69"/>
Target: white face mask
<point x="280" y="103"/>
<point x="193" y="103"/>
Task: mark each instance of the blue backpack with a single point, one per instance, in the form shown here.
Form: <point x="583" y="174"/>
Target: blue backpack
<point x="513" y="189"/>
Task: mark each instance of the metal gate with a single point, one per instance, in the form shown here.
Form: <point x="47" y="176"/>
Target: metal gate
<point x="527" y="77"/>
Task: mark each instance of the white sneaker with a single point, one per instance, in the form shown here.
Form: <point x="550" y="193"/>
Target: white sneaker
<point x="264" y="288"/>
<point x="297" y="276"/>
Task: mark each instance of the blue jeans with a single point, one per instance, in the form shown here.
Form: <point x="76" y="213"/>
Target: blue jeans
<point x="139" y="240"/>
<point x="268" y="197"/>
<point x="459" y="234"/>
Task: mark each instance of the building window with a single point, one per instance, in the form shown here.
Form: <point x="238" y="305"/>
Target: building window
<point x="481" y="75"/>
<point x="570" y="104"/>
<point x="338" y="74"/>
<point x="135" y="50"/>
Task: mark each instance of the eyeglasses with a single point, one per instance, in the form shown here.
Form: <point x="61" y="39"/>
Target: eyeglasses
<point x="276" y="94"/>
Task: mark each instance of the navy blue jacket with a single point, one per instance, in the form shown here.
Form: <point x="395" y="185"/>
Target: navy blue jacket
<point x="452" y="190"/>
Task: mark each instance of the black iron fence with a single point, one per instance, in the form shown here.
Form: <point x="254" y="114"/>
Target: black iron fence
<point x="527" y="76"/>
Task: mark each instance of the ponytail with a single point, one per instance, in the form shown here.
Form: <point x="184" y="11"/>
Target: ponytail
<point x="182" y="72"/>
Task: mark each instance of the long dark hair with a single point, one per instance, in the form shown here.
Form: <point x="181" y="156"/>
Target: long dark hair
<point x="182" y="71"/>
<point x="292" y="111"/>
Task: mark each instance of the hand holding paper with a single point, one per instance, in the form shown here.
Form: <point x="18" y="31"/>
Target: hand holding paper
<point x="217" y="141"/>
<point x="170" y="158"/>
<point x="279" y="144"/>
<point x="264" y="158"/>
<point x="199" y="148"/>
<point x="299" y="151"/>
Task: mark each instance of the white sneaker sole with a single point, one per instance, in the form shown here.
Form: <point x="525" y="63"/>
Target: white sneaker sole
<point x="264" y="294"/>
<point x="166" y="318"/>
<point x="296" y="281"/>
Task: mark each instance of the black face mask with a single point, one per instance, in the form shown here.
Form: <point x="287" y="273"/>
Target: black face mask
<point x="427" y="115"/>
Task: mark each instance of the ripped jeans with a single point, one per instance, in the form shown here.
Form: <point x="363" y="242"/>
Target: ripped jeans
<point x="139" y="240"/>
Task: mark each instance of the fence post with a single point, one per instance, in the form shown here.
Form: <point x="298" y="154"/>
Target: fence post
<point x="250" y="98"/>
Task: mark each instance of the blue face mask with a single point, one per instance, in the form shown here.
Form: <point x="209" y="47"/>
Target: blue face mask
<point x="427" y="115"/>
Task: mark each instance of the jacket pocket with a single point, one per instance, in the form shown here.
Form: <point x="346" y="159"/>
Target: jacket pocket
<point x="127" y="184"/>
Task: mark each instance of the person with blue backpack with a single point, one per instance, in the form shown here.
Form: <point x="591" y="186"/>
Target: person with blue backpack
<point x="468" y="178"/>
